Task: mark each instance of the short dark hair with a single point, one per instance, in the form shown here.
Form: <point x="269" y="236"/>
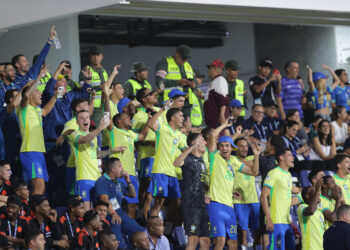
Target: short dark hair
<point x="18" y="184"/>
<point x="76" y="102"/>
<point x="325" y="178"/>
<point x="192" y="137"/>
<point x="81" y="111"/>
<point x="110" y="163"/>
<point x="89" y="216"/>
<point x="31" y="234"/>
<point x="177" y="96"/>
<point x="100" y="202"/>
<point x="313" y="174"/>
<point x="134" y="237"/>
<point x="317" y="117"/>
<point x="288" y="63"/>
<point x="342" y="209"/>
<point x="337" y="110"/>
<point x="338" y="72"/>
<point x="6" y="64"/>
<point x="339" y="158"/>
<point x="9" y="95"/>
<point x="290" y="113"/>
<point x="257" y="105"/>
<point x="304" y="193"/>
<point x="102" y="234"/>
<point x="15" y="60"/>
<point x="281" y="151"/>
<point x="289" y="124"/>
<point x="3" y="163"/>
<point x="277" y="141"/>
<point x="205" y="132"/>
<point x="140" y="94"/>
<point x="171" y="112"/>
<point x="240" y="139"/>
<point x="116" y="118"/>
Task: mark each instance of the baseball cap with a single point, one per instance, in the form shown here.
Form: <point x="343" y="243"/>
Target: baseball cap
<point x="226" y="138"/>
<point x="36" y="199"/>
<point x="95" y="50"/>
<point x="74" y="201"/>
<point x="232" y="64"/>
<point x="216" y="63"/>
<point x="122" y="103"/>
<point x="184" y="51"/>
<point x="15" y="200"/>
<point x="317" y="76"/>
<point x="175" y="92"/>
<point x="139" y="67"/>
<point x="266" y="62"/>
<point x="236" y="104"/>
<point x="270" y="103"/>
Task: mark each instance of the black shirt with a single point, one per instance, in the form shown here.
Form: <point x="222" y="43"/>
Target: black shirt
<point x="237" y="121"/>
<point x="272" y="124"/>
<point x="69" y="228"/>
<point x="17" y="230"/>
<point x="85" y="241"/>
<point x="260" y="130"/>
<point x="267" y="94"/>
<point x="266" y="163"/>
<point x="337" y="237"/>
<point x="193" y="173"/>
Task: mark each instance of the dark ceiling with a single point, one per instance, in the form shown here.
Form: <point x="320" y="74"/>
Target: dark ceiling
<point x="106" y="30"/>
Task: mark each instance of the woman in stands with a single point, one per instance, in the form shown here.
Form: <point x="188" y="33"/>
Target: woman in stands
<point x="339" y="123"/>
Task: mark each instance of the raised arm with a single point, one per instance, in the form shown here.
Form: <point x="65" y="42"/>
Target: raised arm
<point x="48" y="107"/>
<point x="310" y="210"/>
<point x="215" y="134"/>
<point x="90" y="136"/>
<point x="180" y="160"/>
<point x="152" y="122"/>
<point x="333" y="74"/>
<point x="106" y="93"/>
<point x="254" y="171"/>
<point x="332" y="216"/>
<point x="309" y="78"/>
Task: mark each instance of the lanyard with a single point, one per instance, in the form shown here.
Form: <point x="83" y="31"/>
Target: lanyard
<point x="42" y="227"/>
<point x="2" y="85"/>
<point x="263" y="130"/>
<point x="70" y="225"/>
<point x="10" y="231"/>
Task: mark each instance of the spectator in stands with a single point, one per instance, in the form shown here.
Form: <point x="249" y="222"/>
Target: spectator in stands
<point x="330" y="200"/>
<point x="339" y="123"/>
<point x="111" y="190"/>
<point x="271" y="121"/>
<point x="236" y="129"/>
<point x="256" y="122"/>
<point x="101" y="208"/>
<point x="278" y="187"/>
<point x="246" y="208"/>
<point x="216" y="99"/>
<point x="341" y="93"/>
<point x="155" y="230"/>
<point x="68" y="73"/>
<point x="44" y="218"/>
<point x="140" y="241"/>
<point x="291" y="96"/>
<point x="137" y="81"/>
<point x="300" y="150"/>
<point x="323" y="147"/>
<point x="5" y="184"/>
<point x="314" y="126"/>
<point x="14" y="225"/>
<point x="337" y="236"/>
<point x="22" y="191"/>
<point x="107" y="240"/>
<point x="20" y="63"/>
<point x="341" y="178"/>
<point x="220" y="210"/>
<point x="310" y="218"/>
<point x="315" y="175"/>
<point x="35" y="239"/>
<point x="193" y="200"/>
<point x="7" y="77"/>
<point x="71" y="222"/>
<point x="32" y="150"/>
<point x="176" y="71"/>
<point x="87" y="237"/>
<point x="235" y="86"/>
<point x="265" y="86"/>
<point x="320" y="93"/>
<point x="294" y="115"/>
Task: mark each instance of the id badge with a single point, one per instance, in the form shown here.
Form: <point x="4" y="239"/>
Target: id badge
<point x="115" y="204"/>
<point x="257" y="101"/>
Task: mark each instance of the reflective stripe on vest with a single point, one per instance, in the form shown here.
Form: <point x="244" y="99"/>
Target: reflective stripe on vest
<point x="43" y="82"/>
<point x="239" y="93"/>
<point x="137" y="86"/>
<point x="175" y="74"/>
<point x="96" y="81"/>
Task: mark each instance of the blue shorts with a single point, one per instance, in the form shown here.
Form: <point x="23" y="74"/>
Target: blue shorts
<point x="146" y="167"/>
<point x="149" y="189"/>
<point x="282" y="237"/>
<point x="70" y="180"/>
<point x="34" y="165"/>
<point x="84" y="188"/>
<point x="222" y="220"/>
<point x="135" y="183"/>
<point x="165" y="186"/>
<point x="181" y="185"/>
<point x="248" y="214"/>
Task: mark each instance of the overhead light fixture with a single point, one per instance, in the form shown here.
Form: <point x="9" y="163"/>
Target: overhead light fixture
<point x="122" y="2"/>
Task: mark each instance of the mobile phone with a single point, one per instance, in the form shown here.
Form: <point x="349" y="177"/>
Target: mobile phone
<point x="60" y="92"/>
<point x="106" y="115"/>
<point x="330" y="192"/>
<point x="276" y="71"/>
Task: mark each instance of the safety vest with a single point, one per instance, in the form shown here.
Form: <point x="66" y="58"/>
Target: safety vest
<point x="43" y="82"/>
<point x="239" y="93"/>
<point x="74" y="85"/>
<point x="137" y="86"/>
<point x="175" y="74"/>
<point x="96" y="81"/>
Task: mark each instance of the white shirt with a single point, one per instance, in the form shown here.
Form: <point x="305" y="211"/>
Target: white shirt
<point x="219" y="84"/>
<point x="341" y="133"/>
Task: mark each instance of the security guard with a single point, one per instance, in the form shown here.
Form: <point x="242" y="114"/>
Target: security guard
<point x="98" y="77"/>
<point x="235" y="85"/>
<point x="175" y="72"/>
<point x="138" y="81"/>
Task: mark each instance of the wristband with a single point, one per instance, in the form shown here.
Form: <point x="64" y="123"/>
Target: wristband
<point x="49" y="40"/>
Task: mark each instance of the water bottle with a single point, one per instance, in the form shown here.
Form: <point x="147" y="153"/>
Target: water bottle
<point x="57" y="42"/>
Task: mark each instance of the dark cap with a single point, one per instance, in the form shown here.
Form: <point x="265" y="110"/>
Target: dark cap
<point x="36" y="199"/>
<point x="232" y="64"/>
<point x="266" y="62"/>
<point x="74" y="201"/>
<point x="216" y="63"/>
<point x="89" y="216"/>
<point x="96" y="50"/>
<point x="139" y="67"/>
<point x="67" y="62"/>
<point x="198" y="74"/>
<point x="270" y="103"/>
<point x="15" y="200"/>
<point x="184" y="51"/>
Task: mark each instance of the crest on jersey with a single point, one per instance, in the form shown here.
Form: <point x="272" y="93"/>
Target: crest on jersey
<point x="91" y="144"/>
<point x="268" y="177"/>
<point x="40" y="171"/>
<point x="345" y="187"/>
<point x="193" y="228"/>
<point x="83" y="193"/>
<point x="175" y="141"/>
<point x="319" y="205"/>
